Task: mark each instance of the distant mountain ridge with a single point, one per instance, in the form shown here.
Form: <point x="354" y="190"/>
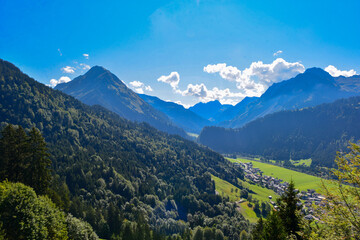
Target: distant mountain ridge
<point x="210" y="109"/>
<point x="313" y="87"/>
<point x="100" y="87"/>
<point x="181" y="116"/>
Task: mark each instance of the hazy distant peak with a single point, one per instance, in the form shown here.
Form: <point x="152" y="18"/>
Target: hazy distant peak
<point x="317" y="71"/>
<point x="96" y="71"/>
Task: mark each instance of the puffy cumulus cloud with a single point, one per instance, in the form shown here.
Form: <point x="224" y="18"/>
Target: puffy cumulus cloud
<point x="86" y="55"/>
<point x="139" y="87"/>
<point x="173" y="79"/>
<point x="63" y="79"/>
<point x="277" y="53"/>
<point x="268" y="74"/>
<point x="68" y="69"/>
<point x="205" y="95"/>
<point x="333" y="71"/>
<point x="200" y="91"/>
<point x="254" y="80"/>
<point x="136" y="84"/>
<point x="227" y="72"/>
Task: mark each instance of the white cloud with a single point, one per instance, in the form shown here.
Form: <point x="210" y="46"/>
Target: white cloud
<point x="333" y="71"/>
<point x="200" y="91"/>
<point x="139" y="87"/>
<point x="84" y="66"/>
<point x="63" y="79"/>
<point x="173" y="79"/>
<point x="254" y="80"/>
<point x="148" y="88"/>
<point x="139" y="90"/>
<point x="227" y="72"/>
<point x="205" y="95"/>
<point x="136" y="84"/>
<point x="86" y="55"/>
<point x="277" y="53"/>
<point x="68" y="69"/>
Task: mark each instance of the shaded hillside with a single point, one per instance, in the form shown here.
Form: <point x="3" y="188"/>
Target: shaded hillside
<point x="349" y="84"/>
<point x="118" y="172"/>
<point x="236" y="110"/>
<point x="210" y="109"/>
<point x="311" y="88"/>
<point x="100" y="87"/>
<point x="181" y="116"/>
<point x="316" y="133"/>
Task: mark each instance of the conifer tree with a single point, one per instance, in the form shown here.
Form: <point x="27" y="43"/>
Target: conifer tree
<point x="38" y="172"/>
<point x="24" y="158"/>
<point x="289" y="210"/>
<point x="274" y="228"/>
<point x="259" y="231"/>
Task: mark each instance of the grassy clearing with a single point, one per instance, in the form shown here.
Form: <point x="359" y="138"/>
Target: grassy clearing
<point x="248" y="212"/>
<point x="224" y="189"/>
<point x="302" y="181"/>
<point x="304" y="162"/>
<point x="261" y="194"/>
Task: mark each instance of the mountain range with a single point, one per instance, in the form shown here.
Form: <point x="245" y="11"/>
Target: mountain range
<point x="182" y="117"/>
<point x="313" y="87"/>
<point x="209" y="110"/>
<point x="100" y="87"/>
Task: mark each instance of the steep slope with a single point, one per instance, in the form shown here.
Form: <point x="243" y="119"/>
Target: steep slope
<point x="100" y="87"/>
<point x="316" y="133"/>
<point x="236" y="110"/>
<point x="311" y="88"/>
<point x="349" y="84"/>
<point x="181" y="116"/>
<point x="209" y="110"/>
<point x="118" y="172"/>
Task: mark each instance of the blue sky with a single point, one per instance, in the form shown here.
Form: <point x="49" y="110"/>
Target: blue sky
<point x="185" y="51"/>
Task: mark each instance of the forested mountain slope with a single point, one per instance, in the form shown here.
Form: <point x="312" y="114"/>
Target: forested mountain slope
<point x="119" y="172"/>
<point x="316" y="133"/>
<point x="100" y="87"/>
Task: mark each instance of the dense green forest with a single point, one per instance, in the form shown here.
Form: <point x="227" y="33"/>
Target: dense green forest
<point x="122" y="178"/>
<point x="315" y="133"/>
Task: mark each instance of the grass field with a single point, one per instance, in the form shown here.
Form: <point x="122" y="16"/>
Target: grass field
<point x="248" y="212"/>
<point x="261" y="194"/>
<point x="224" y="189"/>
<point x="302" y="181"/>
<point x="305" y="162"/>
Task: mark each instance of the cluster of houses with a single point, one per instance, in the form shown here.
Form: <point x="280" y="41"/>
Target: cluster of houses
<point x="309" y="197"/>
<point x="256" y="176"/>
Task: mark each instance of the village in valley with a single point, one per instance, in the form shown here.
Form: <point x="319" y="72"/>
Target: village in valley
<point x="308" y="198"/>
